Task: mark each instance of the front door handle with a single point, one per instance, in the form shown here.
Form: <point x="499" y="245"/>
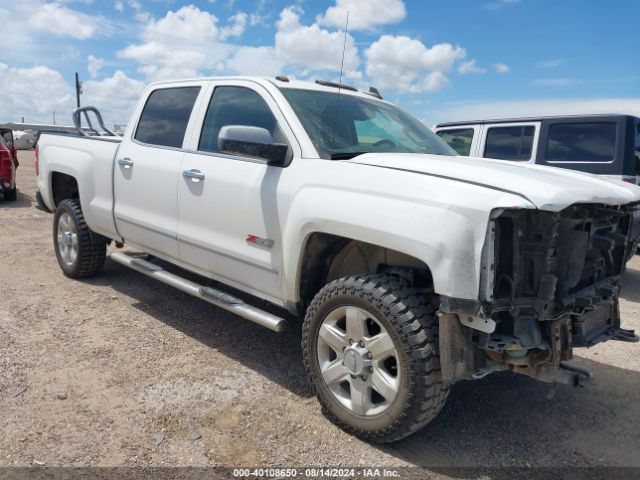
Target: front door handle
<point x="195" y="175"/>
<point x="125" y="162"/>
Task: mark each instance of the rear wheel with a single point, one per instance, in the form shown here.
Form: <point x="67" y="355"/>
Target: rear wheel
<point x="80" y="252"/>
<point x="11" y="195"/>
<point x="370" y="350"/>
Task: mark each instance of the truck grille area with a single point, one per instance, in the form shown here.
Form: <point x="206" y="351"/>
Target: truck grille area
<point x="558" y="267"/>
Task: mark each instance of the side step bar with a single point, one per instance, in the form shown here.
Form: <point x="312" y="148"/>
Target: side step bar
<point x="211" y="295"/>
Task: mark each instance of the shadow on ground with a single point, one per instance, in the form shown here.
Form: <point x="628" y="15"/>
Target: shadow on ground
<point x="276" y="356"/>
<point x="504" y="419"/>
<point x="23" y="201"/>
<point x="631" y="285"/>
<point x="511" y="420"/>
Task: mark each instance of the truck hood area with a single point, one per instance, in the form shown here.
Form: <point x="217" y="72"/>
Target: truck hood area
<point x="547" y="188"/>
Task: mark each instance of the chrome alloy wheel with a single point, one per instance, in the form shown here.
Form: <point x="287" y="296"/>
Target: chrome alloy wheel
<point x="67" y="239"/>
<point x="358" y="361"/>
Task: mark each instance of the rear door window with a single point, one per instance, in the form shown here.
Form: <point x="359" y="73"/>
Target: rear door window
<point x="460" y="139"/>
<point x="581" y="142"/>
<point x="510" y="143"/>
<point x="166" y="115"/>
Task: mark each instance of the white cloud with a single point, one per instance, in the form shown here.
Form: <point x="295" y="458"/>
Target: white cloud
<point x="237" y="27"/>
<point x="161" y="61"/>
<point x="460" y="111"/>
<point x="501" y="67"/>
<point x="363" y="14"/>
<point x="188" y="23"/>
<point x="255" y="61"/>
<point x="184" y="43"/>
<point x="311" y="46"/>
<point x="65" y="22"/>
<point x="94" y="65"/>
<point x="435" y="81"/>
<point x="119" y="6"/>
<point x="115" y="96"/>
<point x="404" y="64"/>
<point x="470" y="67"/>
<point x="33" y="93"/>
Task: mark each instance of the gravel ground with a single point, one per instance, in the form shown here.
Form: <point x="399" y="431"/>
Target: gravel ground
<point x="122" y="371"/>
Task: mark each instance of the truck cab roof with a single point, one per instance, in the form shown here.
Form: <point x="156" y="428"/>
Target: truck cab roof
<point x="594" y="116"/>
<point x="284" y="82"/>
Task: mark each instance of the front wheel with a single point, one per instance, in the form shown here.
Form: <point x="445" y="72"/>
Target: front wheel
<point x="370" y="348"/>
<point x="80" y="252"/>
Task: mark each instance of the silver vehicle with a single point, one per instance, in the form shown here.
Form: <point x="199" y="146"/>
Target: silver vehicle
<point x="606" y="145"/>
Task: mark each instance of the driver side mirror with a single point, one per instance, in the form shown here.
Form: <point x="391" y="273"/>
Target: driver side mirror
<point x="252" y="142"/>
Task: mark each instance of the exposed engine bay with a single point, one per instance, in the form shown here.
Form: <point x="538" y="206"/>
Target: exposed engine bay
<point x="550" y="282"/>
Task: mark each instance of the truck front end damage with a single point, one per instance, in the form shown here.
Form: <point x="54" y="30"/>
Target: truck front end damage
<point x="549" y="282"/>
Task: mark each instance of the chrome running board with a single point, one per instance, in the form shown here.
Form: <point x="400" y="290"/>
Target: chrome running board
<point x="208" y="294"/>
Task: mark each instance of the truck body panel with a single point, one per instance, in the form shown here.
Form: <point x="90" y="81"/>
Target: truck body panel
<point x="90" y="162"/>
<point x="298" y="195"/>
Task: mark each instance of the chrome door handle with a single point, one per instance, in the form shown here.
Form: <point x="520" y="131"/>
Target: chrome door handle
<point x="194" y="175"/>
<point x="125" y="162"/>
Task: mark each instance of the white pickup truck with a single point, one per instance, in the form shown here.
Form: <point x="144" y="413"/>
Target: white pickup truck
<point x="411" y="267"/>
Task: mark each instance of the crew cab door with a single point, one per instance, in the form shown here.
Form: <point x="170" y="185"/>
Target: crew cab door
<point x="230" y="205"/>
<point x="147" y="170"/>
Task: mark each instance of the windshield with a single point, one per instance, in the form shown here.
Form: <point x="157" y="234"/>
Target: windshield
<point x="361" y="126"/>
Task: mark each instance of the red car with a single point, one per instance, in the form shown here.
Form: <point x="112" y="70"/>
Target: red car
<point x="8" y="166"/>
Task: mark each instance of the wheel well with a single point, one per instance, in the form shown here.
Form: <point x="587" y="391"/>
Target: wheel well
<point x="63" y="186"/>
<point x="328" y="257"/>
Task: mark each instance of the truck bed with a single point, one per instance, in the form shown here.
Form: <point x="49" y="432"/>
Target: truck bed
<point x="90" y="161"/>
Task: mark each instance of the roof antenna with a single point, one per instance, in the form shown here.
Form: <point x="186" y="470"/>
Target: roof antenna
<point x="335" y="120"/>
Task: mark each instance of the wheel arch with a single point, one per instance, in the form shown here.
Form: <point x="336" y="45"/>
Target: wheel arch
<point x="326" y="257"/>
<point x="63" y="186"/>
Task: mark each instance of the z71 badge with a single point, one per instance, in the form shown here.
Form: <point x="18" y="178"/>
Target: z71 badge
<point x="263" y="242"/>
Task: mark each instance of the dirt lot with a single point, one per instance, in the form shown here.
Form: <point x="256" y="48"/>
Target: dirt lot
<point x="120" y="370"/>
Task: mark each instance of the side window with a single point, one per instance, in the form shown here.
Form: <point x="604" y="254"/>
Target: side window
<point x="509" y="143"/>
<point x="165" y="116"/>
<point x="236" y="106"/>
<point x="581" y="142"/>
<point x="459" y="139"/>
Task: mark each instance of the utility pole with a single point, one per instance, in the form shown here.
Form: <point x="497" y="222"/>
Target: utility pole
<point x="78" y="90"/>
<point x="54" y="116"/>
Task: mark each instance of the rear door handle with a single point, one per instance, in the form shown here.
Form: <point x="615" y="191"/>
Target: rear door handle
<point x="125" y="162"/>
<point x="195" y="175"/>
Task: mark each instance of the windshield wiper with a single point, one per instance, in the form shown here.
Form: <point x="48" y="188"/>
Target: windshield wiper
<point x="346" y="155"/>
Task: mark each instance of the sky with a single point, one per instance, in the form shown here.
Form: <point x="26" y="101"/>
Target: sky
<point x="441" y="60"/>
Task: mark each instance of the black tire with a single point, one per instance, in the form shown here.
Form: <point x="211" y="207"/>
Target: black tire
<point x="411" y="323"/>
<point x="92" y="248"/>
<point x="11" y="195"/>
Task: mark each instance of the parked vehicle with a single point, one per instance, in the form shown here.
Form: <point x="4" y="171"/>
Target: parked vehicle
<point x="24" y="140"/>
<point x="8" y="165"/>
<point x="599" y="144"/>
<point x="413" y="268"/>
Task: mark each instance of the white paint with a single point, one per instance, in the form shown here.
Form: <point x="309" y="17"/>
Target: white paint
<point x="433" y="208"/>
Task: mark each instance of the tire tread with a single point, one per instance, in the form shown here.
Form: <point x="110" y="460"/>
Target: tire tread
<point x="414" y="319"/>
<point x="92" y="248"/>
